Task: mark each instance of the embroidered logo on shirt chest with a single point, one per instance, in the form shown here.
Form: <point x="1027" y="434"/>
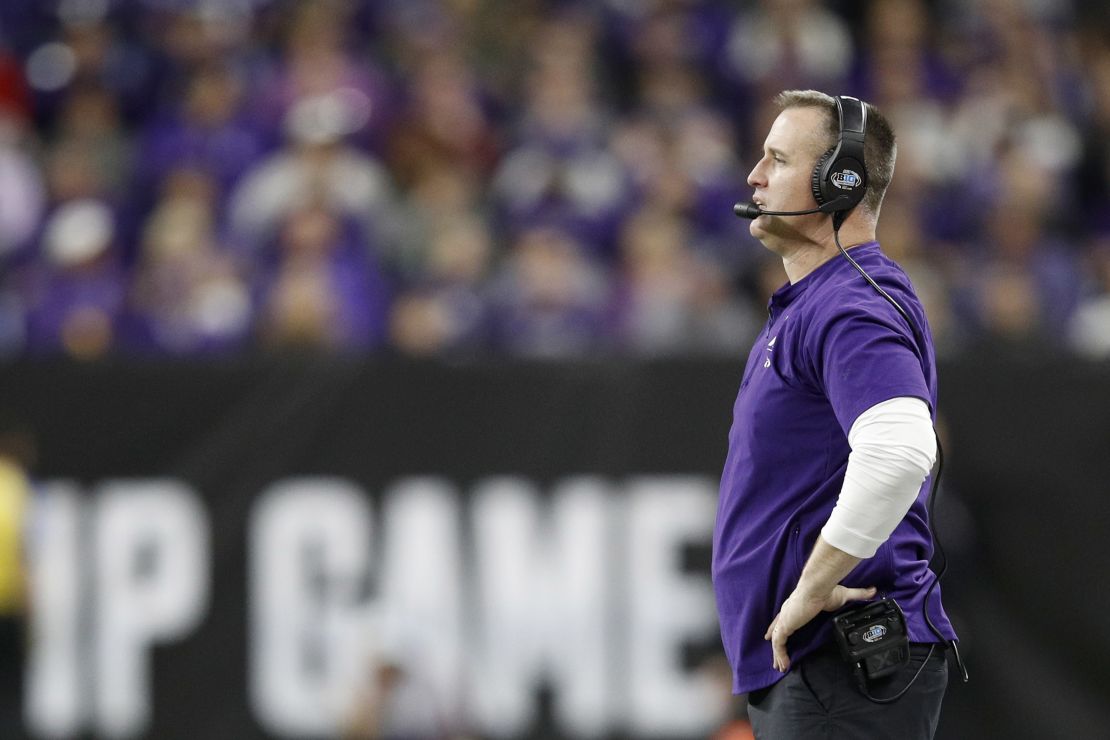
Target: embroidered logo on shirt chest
<point x="770" y="349"/>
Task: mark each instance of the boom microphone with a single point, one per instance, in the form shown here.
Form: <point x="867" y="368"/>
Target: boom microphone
<point x="751" y="210"/>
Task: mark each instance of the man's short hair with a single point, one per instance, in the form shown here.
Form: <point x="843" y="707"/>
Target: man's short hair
<point x="879" y="149"/>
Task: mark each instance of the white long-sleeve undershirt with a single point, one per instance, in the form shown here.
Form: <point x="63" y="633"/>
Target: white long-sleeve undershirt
<point x="893" y="449"/>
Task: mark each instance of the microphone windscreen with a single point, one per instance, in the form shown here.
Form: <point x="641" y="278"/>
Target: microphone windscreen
<point x="747" y="210"/>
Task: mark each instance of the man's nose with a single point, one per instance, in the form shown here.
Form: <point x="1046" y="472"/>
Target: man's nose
<point x="755" y="177"/>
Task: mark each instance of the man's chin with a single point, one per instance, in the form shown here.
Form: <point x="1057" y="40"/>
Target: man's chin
<point x="768" y="231"/>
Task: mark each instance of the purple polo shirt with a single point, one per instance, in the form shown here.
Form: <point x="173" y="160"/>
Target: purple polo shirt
<point x="832" y="348"/>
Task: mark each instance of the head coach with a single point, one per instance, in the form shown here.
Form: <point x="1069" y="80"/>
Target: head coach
<point x="829" y="611"/>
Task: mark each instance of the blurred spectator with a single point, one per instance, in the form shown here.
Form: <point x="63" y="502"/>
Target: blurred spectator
<point x="670" y="300"/>
<point x="89" y="50"/>
<point x="324" y="290"/>
<point x="1094" y="173"/>
<point x="22" y="199"/>
<point x="317" y="64"/>
<point x="444" y="125"/>
<point x="439" y="199"/>
<point x="315" y="166"/>
<point x="669" y="91"/>
<point x="187" y="37"/>
<point x="205" y="132"/>
<point x="88" y="122"/>
<point x="1089" y="333"/>
<point x="22" y="190"/>
<point x="1009" y="308"/>
<point x="666" y="32"/>
<point x="561" y="174"/>
<point x="188" y="294"/>
<point x="550" y="299"/>
<point x="15" y="99"/>
<point x="1023" y="254"/>
<point x="447" y="312"/>
<point x="703" y="154"/>
<point x="76" y="290"/>
<point x="780" y="44"/>
<point x="910" y="81"/>
<point x="397" y="703"/>
<point x="686" y="166"/>
<point x="88" y="155"/>
<point x="905" y="240"/>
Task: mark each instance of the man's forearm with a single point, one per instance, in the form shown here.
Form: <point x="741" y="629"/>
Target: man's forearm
<point x="893" y="447"/>
<point x="827" y="566"/>
<point x="818" y="590"/>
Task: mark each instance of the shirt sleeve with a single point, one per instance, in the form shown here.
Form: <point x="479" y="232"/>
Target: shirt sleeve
<point x="864" y="359"/>
<point x="893" y="450"/>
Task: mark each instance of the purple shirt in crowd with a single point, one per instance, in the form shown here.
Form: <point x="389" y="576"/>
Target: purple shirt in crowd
<point x="832" y="348"/>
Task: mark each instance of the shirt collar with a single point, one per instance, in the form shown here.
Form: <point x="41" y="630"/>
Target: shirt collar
<point x="788" y="293"/>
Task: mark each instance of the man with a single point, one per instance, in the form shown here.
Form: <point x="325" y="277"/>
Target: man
<point x="822" y="496"/>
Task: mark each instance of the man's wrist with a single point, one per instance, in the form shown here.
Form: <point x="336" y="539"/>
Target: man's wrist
<point x="823" y="571"/>
<point x="813" y="591"/>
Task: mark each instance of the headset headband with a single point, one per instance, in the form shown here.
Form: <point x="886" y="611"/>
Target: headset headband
<point x="853" y="115"/>
<point x="840" y="176"/>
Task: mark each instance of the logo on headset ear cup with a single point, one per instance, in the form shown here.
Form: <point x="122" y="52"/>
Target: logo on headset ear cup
<point x="847" y="180"/>
<point x="815" y="180"/>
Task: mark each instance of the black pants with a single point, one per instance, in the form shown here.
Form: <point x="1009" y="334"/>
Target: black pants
<point x="819" y="700"/>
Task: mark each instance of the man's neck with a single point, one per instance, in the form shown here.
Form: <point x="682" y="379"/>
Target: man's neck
<point x="808" y="256"/>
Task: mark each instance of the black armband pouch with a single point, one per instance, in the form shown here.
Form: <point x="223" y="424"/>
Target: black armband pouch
<point x="873" y="637"/>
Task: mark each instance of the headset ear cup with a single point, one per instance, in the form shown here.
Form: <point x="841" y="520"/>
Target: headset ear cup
<point x="815" y="180"/>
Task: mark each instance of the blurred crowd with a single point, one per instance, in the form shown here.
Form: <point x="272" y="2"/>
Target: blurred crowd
<point x="461" y="178"/>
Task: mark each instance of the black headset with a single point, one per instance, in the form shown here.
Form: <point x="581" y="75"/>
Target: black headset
<point x="839" y="179"/>
<point x="840" y="176"/>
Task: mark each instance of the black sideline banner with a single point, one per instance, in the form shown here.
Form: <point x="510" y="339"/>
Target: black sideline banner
<point x="291" y="549"/>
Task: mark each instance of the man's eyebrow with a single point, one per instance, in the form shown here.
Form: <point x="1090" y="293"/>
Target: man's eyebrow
<point x="776" y="151"/>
